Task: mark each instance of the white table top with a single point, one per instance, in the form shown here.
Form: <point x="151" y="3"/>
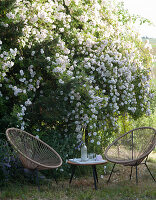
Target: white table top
<point x="87" y="162"/>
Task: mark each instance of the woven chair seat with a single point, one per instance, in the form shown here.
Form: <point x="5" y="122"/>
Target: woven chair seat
<point x="132" y="147"/>
<point x="33" y="153"/>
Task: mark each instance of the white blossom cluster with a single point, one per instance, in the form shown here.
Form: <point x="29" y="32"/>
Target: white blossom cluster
<point x="92" y="48"/>
<point x="6" y="60"/>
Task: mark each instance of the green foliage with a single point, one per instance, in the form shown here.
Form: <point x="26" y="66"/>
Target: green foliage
<point x="9" y="164"/>
<point x="126" y="17"/>
<point x="10" y="30"/>
<point x="66" y="66"/>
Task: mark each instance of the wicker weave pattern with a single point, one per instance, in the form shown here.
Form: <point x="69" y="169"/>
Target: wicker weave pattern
<point x="33" y="153"/>
<point x="132" y="147"/>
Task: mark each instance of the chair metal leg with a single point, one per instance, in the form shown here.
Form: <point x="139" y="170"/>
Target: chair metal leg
<point x="111" y="173"/>
<point x="131" y="172"/>
<point x="37" y="179"/>
<point x="72" y="174"/>
<point x="150" y="172"/>
<point x="94" y="176"/>
<point x="54" y="177"/>
<point x="136" y="175"/>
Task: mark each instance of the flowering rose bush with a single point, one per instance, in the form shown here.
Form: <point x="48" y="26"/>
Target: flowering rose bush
<point x="73" y="65"/>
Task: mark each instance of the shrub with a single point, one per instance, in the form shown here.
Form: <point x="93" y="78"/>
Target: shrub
<point x="70" y="67"/>
<point x="9" y="164"/>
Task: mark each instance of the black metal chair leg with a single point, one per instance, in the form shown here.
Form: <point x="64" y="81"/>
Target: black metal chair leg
<point x="150" y="172"/>
<point x="94" y="176"/>
<point x="55" y="180"/>
<point x="72" y="174"/>
<point x="136" y="175"/>
<point x="131" y="172"/>
<point x="111" y="173"/>
<point x="37" y="179"/>
<point x="54" y="177"/>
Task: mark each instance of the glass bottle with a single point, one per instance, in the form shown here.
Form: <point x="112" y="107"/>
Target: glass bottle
<point x="84" y="153"/>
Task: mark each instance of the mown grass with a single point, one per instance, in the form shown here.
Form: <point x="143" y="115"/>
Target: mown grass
<point x="82" y="188"/>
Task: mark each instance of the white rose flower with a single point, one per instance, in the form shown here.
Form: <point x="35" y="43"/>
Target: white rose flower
<point x="42" y="51"/>
<point x="95" y="133"/>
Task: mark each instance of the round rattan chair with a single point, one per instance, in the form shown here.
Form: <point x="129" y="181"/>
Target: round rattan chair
<point x="33" y="153"/>
<point x="132" y="148"/>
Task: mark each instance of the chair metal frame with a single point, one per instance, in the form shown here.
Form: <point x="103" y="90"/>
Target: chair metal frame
<point x="133" y="162"/>
<point x="33" y="156"/>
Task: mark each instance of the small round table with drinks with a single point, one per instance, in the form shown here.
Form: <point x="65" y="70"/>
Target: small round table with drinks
<point x="89" y="162"/>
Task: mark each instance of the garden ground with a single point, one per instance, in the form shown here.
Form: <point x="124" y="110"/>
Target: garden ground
<point x="82" y="188"/>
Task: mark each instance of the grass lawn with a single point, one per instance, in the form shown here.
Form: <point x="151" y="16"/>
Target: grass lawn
<point x="82" y="188"/>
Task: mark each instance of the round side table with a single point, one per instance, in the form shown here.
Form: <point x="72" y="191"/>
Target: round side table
<point x="77" y="162"/>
